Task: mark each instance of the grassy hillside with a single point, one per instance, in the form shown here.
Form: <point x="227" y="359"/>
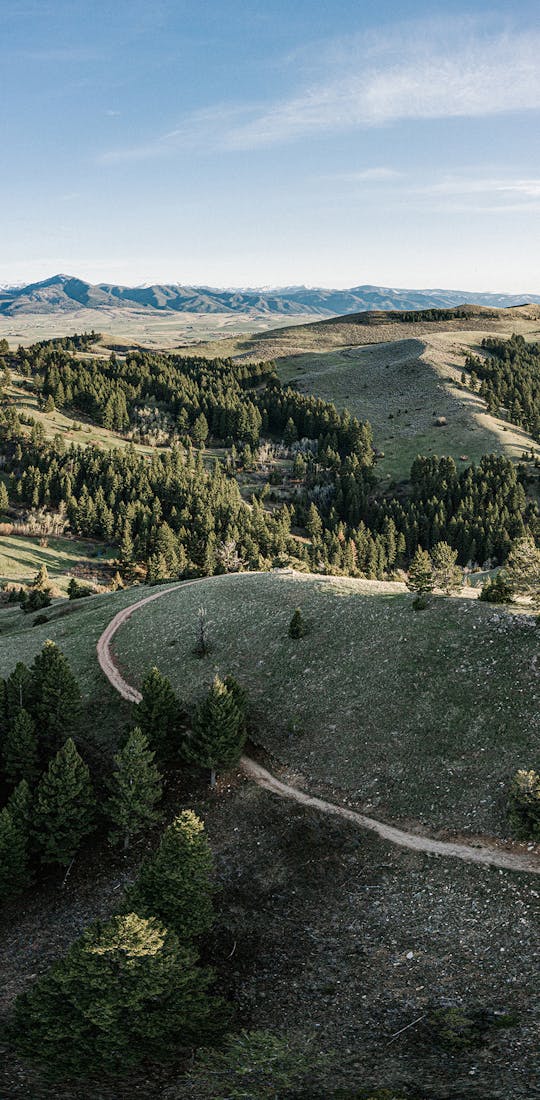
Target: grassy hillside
<point x="75" y="627"/>
<point x="421" y="716"/>
<point x="401" y="376"/>
<point x="21" y="557"/>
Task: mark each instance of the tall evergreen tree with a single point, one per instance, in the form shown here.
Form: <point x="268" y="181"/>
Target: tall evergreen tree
<point x="522" y="570"/>
<point x="19" y="690"/>
<point x="446" y="574"/>
<point x="14" y="873"/>
<point x="126" y="991"/>
<point x="21" y="807"/>
<point x="20" y="749"/>
<point x="174" y="884"/>
<point x="57" y="698"/>
<point x="159" y="715"/>
<point x="65" y="805"/>
<point x="217" y="737"/>
<point x="134" y="789"/>
<point x="420" y="577"/>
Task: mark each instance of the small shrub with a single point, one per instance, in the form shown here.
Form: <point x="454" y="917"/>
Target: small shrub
<point x="496" y="590"/>
<point x="40" y="620"/>
<point x="297" y="626"/>
<point x="78" y="591"/>
<point x="420" y="603"/>
<point x="457" y="1028"/>
<point x="524" y="804"/>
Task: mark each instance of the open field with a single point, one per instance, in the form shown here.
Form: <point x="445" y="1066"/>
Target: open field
<point x="137" y="327"/>
<point x="415" y="717"/>
<point x="21" y="556"/>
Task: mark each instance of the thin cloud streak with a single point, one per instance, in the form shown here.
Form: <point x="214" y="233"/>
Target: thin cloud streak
<point x="463" y="74"/>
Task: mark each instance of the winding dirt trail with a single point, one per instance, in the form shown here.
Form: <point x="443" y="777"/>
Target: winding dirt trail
<point x="488" y="856"/>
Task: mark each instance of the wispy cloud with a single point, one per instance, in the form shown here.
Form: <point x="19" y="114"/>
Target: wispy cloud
<point x="527" y="188"/>
<point x="367" y="175"/>
<point x="447" y="70"/>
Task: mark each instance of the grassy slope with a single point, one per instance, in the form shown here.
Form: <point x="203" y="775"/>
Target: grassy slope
<point x="75" y="627"/>
<point x="409" y="370"/>
<point x="417" y="716"/>
<point x="21" y="557"/>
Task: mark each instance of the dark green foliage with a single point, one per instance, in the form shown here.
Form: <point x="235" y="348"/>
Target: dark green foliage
<point x="297" y="626"/>
<point x="254" y="1064"/>
<point x="20" y="748"/>
<point x="19" y="690"/>
<point x="20" y="805"/>
<point x="510" y="380"/>
<point x="174" y="884"/>
<point x="217" y="737"/>
<point x="34" y="600"/>
<point x="64" y="813"/>
<point x="14" y="873"/>
<point x="159" y="715"/>
<point x="240" y="697"/>
<point x="78" y="591"/>
<point x="56" y="698"/>
<point x="458" y="1028"/>
<point x="126" y="992"/>
<point x="496" y="590"/>
<point x="524" y="805"/>
<point x="134" y="789"/>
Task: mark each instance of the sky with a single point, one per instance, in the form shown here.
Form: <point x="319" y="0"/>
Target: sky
<point x="272" y="142"/>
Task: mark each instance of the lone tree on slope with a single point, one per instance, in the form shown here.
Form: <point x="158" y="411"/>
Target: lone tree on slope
<point x="218" y="737"/>
<point x="174" y="884"/>
<point x="446" y="574"/>
<point x="421" y="579"/>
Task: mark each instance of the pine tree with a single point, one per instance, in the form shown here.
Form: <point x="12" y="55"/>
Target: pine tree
<point x="446" y="574"/>
<point x="158" y="714"/>
<point x="57" y="698"/>
<point x="14" y="873"/>
<point x="240" y="697"/>
<point x="135" y="789"/>
<point x="126" y="991"/>
<point x="314" y="523"/>
<point x="19" y="690"/>
<point x="217" y="738"/>
<point x="522" y="569"/>
<point x="175" y="884"/>
<point x="4" y="498"/>
<point x="20" y="805"/>
<point x="41" y="580"/>
<point x="297" y="626"/>
<point x="420" y="577"/>
<point x="20" y="748"/>
<point x="64" y="807"/>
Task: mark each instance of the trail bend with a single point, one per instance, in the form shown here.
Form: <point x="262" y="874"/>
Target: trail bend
<point x="488" y="855"/>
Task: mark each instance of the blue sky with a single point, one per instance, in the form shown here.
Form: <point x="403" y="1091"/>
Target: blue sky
<point x="271" y="142"/>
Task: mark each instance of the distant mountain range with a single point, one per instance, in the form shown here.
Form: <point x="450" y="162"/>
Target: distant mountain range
<point x="67" y="294"/>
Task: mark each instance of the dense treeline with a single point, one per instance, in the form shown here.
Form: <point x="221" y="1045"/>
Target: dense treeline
<point x="510" y="380"/>
<point x="179" y="518"/>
